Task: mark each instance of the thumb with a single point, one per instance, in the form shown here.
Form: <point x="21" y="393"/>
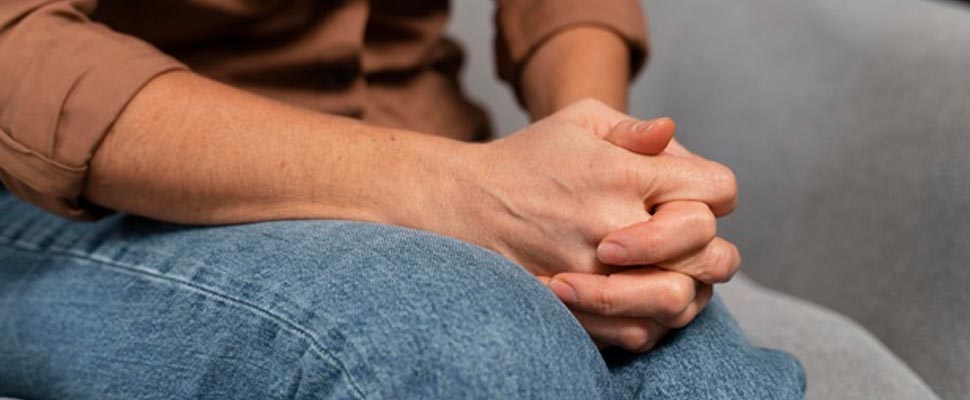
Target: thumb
<point x="647" y="137"/>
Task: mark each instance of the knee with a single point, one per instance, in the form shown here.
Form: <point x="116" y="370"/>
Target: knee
<point x="711" y="359"/>
<point x="781" y="377"/>
<point x="456" y="321"/>
<point x="757" y="373"/>
<point x="493" y="349"/>
<point x="415" y="315"/>
<point x="745" y="370"/>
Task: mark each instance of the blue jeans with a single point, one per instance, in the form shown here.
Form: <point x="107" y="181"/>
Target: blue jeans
<point x="130" y="308"/>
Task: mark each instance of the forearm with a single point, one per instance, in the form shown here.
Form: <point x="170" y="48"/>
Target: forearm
<point x="189" y="150"/>
<point x="577" y="63"/>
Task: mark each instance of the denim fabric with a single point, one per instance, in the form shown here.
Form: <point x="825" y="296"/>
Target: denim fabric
<point x="129" y="308"/>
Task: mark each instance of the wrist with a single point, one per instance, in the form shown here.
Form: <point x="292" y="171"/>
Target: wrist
<point x="421" y="183"/>
<point x="451" y="193"/>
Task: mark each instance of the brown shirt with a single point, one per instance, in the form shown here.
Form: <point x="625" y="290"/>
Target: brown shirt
<point x="69" y="67"/>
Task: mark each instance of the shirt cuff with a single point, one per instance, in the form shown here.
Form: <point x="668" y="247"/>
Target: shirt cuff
<point x="62" y="102"/>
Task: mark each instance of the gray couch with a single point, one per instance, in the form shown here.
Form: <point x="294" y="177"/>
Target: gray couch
<point x="848" y="124"/>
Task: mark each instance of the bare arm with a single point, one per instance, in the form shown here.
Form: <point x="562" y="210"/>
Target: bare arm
<point x="190" y="150"/>
<point x="581" y="62"/>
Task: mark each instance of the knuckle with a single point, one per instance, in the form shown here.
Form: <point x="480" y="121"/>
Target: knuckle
<point x="614" y="173"/>
<point x="640" y="176"/>
<point x="646" y="347"/>
<point x="632" y="175"/>
<point x="724" y="182"/>
<point x="611" y="218"/>
<point x="681" y="320"/>
<point x="657" y="332"/>
<point x="678" y="295"/>
<point x="734" y="263"/>
<point x="704" y="223"/>
<point x="633" y="338"/>
<point x="720" y="261"/>
<point x="603" y="303"/>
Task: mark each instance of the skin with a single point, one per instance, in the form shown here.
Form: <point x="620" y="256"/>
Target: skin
<point x="193" y="151"/>
<point x="619" y="309"/>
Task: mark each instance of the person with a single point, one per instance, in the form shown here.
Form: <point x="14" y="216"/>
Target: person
<point x="305" y="206"/>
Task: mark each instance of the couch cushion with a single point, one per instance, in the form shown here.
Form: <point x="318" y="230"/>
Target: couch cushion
<point x="848" y="125"/>
<point x="842" y="360"/>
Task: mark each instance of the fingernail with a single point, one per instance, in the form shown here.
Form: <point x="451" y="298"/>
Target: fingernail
<point x="611" y="253"/>
<point x="644" y="126"/>
<point x="563" y="291"/>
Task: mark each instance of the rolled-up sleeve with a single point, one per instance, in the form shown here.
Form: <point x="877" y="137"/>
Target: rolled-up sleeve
<point x="64" y="80"/>
<point x="523" y="25"/>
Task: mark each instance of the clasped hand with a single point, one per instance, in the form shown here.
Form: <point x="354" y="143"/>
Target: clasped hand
<point x="612" y="214"/>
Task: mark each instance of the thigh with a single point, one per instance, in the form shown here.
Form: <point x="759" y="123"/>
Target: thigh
<point x="128" y="307"/>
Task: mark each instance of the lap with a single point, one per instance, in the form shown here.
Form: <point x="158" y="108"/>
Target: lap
<point x="369" y="309"/>
<point x="287" y="309"/>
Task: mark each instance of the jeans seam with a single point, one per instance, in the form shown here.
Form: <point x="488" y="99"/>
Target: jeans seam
<point x="292" y="327"/>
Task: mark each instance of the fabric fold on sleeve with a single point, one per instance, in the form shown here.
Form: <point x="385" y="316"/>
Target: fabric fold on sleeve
<point x="522" y="26"/>
<point x="64" y="80"/>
